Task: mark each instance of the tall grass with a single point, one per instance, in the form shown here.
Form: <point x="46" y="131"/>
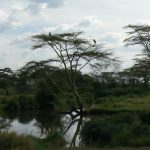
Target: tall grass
<point x="11" y="141"/>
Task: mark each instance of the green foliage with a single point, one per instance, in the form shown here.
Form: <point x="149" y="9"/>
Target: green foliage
<point x="124" y="129"/>
<point x="131" y="103"/>
<point x="27" y="103"/>
<point x="11" y="105"/>
<point x="122" y="91"/>
<point x="55" y="139"/>
<point x="45" y="96"/>
<point x="18" y="103"/>
<point x="145" y="117"/>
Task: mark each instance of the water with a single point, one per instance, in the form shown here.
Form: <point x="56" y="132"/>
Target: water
<point x="38" y="124"/>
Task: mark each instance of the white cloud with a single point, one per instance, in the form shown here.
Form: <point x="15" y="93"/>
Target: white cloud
<point x="3" y="16"/>
<point x="81" y="25"/>
<point x="143" y="22"/>
<point x="21" y="13"/>
<point x="50" y="3"/>
<point x="88" y="21"/>
<point x="113" y="39"/>
<point x="102" y="19"/>
<point x="9" y="19"/>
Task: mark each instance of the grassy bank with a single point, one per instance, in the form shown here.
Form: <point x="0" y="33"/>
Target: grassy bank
<point x="128" y="103"/>
<point x="123" y="121"/>
<point x="11" y="141"/>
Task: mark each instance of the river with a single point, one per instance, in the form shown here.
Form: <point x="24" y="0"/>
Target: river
<point x="38" y="124"/>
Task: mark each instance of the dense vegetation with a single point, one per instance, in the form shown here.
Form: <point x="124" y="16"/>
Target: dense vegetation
<point x="121" y="99"/>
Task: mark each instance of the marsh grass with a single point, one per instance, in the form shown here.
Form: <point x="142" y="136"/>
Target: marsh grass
<point x="128" y="103"/>
<point x="12" y="141"/>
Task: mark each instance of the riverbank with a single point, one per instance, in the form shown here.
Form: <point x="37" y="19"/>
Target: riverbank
<point x="106" y="106"/>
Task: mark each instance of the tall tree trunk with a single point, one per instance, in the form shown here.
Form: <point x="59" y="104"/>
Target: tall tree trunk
<point x="73" y="142"/>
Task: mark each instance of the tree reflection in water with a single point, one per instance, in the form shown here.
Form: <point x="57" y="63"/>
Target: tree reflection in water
<point x="46" y="123"/>
<point x="5" y="122"/>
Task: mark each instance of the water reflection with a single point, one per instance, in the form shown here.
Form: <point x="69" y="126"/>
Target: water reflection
<point x="40" y="124"/>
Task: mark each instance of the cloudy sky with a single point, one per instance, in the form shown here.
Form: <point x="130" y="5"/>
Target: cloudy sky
<point x="100" y="19"/>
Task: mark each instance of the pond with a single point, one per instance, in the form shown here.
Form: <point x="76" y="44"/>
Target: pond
<point x="39" y="124"/>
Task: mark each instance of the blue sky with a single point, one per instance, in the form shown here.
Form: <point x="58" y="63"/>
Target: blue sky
<point x="100" y="19"/>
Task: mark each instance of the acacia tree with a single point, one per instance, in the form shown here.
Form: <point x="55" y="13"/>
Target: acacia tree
<point x="73" y="53"/>
<point x="139" y="35"/>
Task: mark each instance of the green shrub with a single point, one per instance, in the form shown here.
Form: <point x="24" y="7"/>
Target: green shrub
<point x="46" y="99"/>
<point x="55" y="139"/>
<point x="119" y="130"/>
<point x="46" y="96"/>
<point x="145" y="117"/>
<point x="11" y="105"/>
<point x="94" y="133"/>
<point x="18" y="103"/>
<point x="124" y="118"/>
<point x="27" y="103"/>
<point x="87" y="98"/>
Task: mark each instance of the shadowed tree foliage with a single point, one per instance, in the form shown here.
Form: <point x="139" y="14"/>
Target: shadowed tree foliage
<point x="139" y="35"/>
<point x="6" y="79"/>
<point x="140" y="71"/>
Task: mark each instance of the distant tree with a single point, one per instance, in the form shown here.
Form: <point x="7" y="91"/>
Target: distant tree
<point x="139" y="73"/>
<point x="6" y="79"/>
<point x="29" y="75"/>
<point x="139" y="35"/>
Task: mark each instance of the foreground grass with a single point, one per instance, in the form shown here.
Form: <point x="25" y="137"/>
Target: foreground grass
<point x="142" y="148"/>
<point x="10" y="141"/>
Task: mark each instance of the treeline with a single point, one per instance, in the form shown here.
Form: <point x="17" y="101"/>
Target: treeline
<point x="40" y="85"/>
<point x="43" y="83"/>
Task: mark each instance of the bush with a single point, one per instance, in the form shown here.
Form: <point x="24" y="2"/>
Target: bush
<point x="27" y="103"/>
<point x="45" y="96"/>
<point x="94" y="133"/>
<point x="55" y="139"/>
<point x="46" y="100"/>
<point x="145" y="117"/>
<point x="19" y="103"/>
<point x="11" y="105"/>
<point x="119" y="130"/>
